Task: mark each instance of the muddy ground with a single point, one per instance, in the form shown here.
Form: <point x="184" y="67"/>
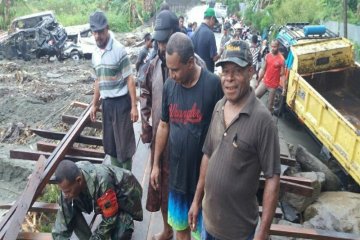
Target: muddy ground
<point x="34" y="94"/>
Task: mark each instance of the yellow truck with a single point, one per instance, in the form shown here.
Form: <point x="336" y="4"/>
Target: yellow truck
<point x="323" y="90"/>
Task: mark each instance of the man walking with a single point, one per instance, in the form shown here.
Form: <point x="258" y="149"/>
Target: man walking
<point x="204" y="40"/>
<point x="116" y="87"/>
<point x="271" y="74"/>
<point x="189" y="96"/>
<point x="242" y="142"/>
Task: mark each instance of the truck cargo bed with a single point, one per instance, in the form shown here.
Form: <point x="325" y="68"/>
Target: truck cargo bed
<point x="342" y="90"/>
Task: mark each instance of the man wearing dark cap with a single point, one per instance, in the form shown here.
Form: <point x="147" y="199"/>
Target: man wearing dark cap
<point x="151" y="99"/>
<point x="116" y="87"/>
<point x="242" y="142"/>
<point x="225" y="38"/>
<point x="204" y="40"/>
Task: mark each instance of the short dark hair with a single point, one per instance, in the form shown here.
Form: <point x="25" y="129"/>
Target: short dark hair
<point x="164" y="6"/>
<point x="67" y="170"/>
<point x="181" y="17"/>
<point x="147" y="36"/>
<point x="182" y="45"/>
<point x="254" y="38"/>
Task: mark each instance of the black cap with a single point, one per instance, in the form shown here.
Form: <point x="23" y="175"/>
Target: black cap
<point x="237" y="52"/>
<point x="98" y="21"/>
<point x="166" y="23"/>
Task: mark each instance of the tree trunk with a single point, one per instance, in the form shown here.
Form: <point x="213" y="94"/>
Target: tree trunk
<point x="149" y="5"/>
<point x="7" y="11"/>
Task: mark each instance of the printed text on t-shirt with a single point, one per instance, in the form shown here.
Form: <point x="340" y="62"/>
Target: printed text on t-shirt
<point x="192" y="115"/>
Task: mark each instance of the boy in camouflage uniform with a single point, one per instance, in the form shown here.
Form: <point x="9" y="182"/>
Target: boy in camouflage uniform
<point x="111" y="191"/>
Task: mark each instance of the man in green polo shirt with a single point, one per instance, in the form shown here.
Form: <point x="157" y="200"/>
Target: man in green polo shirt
<point x="242" y="142"/>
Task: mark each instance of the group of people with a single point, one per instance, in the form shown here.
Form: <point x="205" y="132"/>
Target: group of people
<point x="210" y="139"/>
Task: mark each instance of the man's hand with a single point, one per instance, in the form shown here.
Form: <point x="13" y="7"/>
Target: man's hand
<point x="134" y="114"/>
<point x="154" y="178"/>
<point x="193" y="216"/>
<point x="94" y="109"/>
<point x="283" y="92"/>
<point x="261" y="236"/>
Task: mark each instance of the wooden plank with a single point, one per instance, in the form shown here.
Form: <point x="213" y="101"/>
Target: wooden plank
<point x="38" y="207"/>
<point x="278" y="212"/>
<point x="32" y="236"/>
<point x="297" y="232"/>
<point x="59" y="135"/>
<point x="34" y="155"/>
<point x="72" y="119"/>
<point x="24" y="202"/>
<point x="288" y="161"/>
<point x="79" y="104"/>
<point x="84" y="152"/>
<point x="291" y="187"/>
<point x="298" y="180"/>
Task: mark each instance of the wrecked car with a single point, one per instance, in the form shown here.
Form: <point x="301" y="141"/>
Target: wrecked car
<point x="79" y="44"/>
<point x="34" y="35"/>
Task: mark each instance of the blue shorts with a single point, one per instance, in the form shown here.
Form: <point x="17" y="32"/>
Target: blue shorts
<point x="178" y="208"/>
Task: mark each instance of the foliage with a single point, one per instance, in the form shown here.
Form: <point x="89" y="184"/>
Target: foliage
<point x="51" y="194"/>
<point x="123" y="15"/>
<point x="357" y="51"/>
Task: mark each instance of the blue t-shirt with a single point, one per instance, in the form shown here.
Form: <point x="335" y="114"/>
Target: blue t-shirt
<point x="188" y="112"/>
<point x="205" y="45"/>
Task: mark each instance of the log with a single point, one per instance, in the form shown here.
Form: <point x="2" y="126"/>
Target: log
<point x="84" y="152"/>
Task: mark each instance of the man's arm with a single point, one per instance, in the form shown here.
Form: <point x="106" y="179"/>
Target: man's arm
<point x="162" y="135"/>
<point x="283" y="79"/>
<point x="61" y="230"/>
<point x="145" y="107"/>
<point x="95" y="102"/>
<point x="270" y="199"/>
<point x="199" y="194"/>
<point x="262" y="71"/>
<point x="132" y="91"/>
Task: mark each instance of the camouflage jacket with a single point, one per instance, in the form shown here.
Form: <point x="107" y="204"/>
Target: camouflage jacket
<point x="99" y="179"/>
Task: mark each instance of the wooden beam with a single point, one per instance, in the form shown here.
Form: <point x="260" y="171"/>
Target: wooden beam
<point x="32" y="236"/>
<point x="308" y="233"/>
<point x="292" y="188"/>
<point x="59" y="135"/>
<point x="288" y="161"/>
<point x="278" y="212"/>
<point x="11" y="225"/>
<point x="298" y="180"/>
<point x="40" y="207"/>
<point x="54" y="159"/>
<point x="72" y="119"/>
<point x="84" y="152"/>
<point x="33" y="156"/>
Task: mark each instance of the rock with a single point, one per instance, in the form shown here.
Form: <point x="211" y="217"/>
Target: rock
<point x="11" y="66"/>
<point x="335" y="211"/>
<point x="309" y="162"/>
<point x="54" y="75"/>
<point x="300" y="203"/>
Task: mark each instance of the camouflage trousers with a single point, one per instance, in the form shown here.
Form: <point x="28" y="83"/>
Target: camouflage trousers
<point x="123" y="229"/>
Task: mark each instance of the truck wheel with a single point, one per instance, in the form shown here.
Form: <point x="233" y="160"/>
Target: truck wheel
<point x="75" y="55"/>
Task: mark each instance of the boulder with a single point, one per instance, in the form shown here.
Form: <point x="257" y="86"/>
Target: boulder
<point x="300" y="203"/>
<point x="309" y="162"/>
<point x="335" y="211"/>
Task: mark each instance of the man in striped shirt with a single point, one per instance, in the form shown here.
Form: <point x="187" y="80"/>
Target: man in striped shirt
<point x="116" y="87"/>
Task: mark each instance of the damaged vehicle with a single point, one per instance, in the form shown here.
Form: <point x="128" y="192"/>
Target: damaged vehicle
<point x="34" y="35"/>
<point x="79" y="44"/>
